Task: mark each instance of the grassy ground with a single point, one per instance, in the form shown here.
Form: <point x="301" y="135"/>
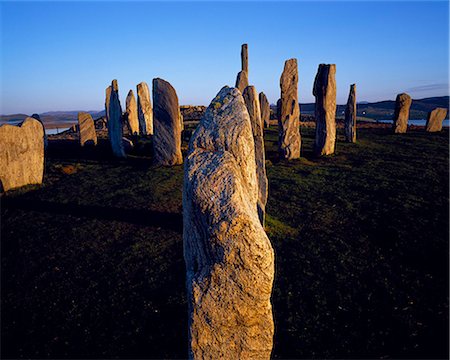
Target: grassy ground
<point x="92" y="262"/>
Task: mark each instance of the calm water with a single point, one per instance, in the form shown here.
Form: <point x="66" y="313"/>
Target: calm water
<point x="416" y="122"/>
<point x="64" y="126"/>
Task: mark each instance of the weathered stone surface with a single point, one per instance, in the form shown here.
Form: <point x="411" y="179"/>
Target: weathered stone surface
<point x="350" y="116"/>
<point x="115" y="126"/>
<point x="325" y="112"/>
<point x="21" y="154"/>
<point x="107" y="99"/>
<point x="265" y="109"/>
<point x="401" y="113"/>
<point x="435" y="119"/>
<point x="229" y="259"/>
<point x="145" y="112"/>
<point x="242" y="81"/>
<point x="86" y="129"/>
<point x="167" y="124"/>
<point x="289" y="120"/>
<point x="37" y="117"/>
<point x="252" y="103"/>
<point x="131" y="114"/>
<point x="244" y="58"/>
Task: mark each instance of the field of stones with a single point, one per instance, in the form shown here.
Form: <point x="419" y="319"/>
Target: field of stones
<point x="142" y="235"/>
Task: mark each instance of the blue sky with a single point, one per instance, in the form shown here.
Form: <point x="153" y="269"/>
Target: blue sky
<point x="62" y="55"/>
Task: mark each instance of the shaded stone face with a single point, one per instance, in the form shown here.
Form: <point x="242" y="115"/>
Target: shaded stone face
<point x="167" y="124"/>
<point x="242" y="81"/>
<point x="37" y="117"/>
<point x="253" y="107"/>
<point x="265" y="109"/>
<point x="325" y="111"/>
<point x="350" y="116"/>
<point x="21" y="154"/>
<point x="229" y="259"/>
<point x="131" y="114"/>
<point x="115" y="126"/>
<point x="145" y="112"/>
<point x="401" y="114"/>
<point x="435" y="119"/>
<point x="244" y="58"/>
<point x="86" y="129"/>
<point x="279" y="110"/>
<point x="289" y="120"/>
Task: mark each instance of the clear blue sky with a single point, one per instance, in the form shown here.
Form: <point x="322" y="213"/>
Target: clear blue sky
<point x="62" y="55"/>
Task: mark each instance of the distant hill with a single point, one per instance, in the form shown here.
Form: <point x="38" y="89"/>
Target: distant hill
<point x="377" y="110"/>
<point x="385" y="109"/>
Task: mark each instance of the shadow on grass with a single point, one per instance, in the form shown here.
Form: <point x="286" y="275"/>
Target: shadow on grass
<point x="170" y="221"/>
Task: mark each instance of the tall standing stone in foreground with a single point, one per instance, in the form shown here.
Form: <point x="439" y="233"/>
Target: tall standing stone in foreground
<point x="325" y="111"/>
<point x="132" y="114"/>
<point x="289" y="121"/>
<point x="229" y="259"/>
<point x="435" y="119"/>
<point x="401" y="114"/>
<point x="21" y="154"/>
<point x="244" y="58"/>
<point x="115" y="127"/>
<point x="145" y="112"/>
<point x="167" y="124"/>
<point x="265" y="109"/>
<point x="242" y="80"/>
<point x="350" y="116"/>
<point x="37" y="117"/>
<point x="86" y="129"/>
<point x="252" y="103"/>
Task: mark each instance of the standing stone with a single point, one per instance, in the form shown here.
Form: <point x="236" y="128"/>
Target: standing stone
<point x="229" y="258"/>
<point x="21" y="154"/>
<point x="86" y="129"/>
<point x="289" y="121"/>
<point x="279" y="110"/>
<point x="132" y="114"/>
<point x="242" y="80"/>
<point x="37" y="117"/>
<point x="145" y="112"/>
<point x="350" y="116"/>
<point x="435" y="119"/>
<point x="244" y="58"/>
<point x="115" y="126"/>
<point x="325" y="112"/>
<point x="252" y="103"/>
<point x="107" y="99"/>
<point x="167" y="124"/>
<point x="265" y="109"/>
<point x="401" y="114"/>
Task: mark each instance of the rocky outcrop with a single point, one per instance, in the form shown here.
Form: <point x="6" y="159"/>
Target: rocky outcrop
<point x="131" y="114"/>
<point x="242" y="80"/>
<point x="86" y="129"/>
<point x="289" y="120"/>
<point x="167" y="124"/>
<point x="191" y="112"/>
<point x="21" y="154"/>
<point x="350" y="116"/>
<point x="145" y="112"/>
<point x="115" y="126"/>
<point x="435" y="119"/>
<point x="244" y="58"/>
<point x="325" y="111"/>
<point x="401" y="113"/>
<point x="265" y="109"/>
<point x="252" y="103"/>
<point x="229" y="259"/>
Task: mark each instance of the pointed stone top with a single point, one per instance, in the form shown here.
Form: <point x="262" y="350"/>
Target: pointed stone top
<point x="115" y="85"/>
<point x="130" y="93"/>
